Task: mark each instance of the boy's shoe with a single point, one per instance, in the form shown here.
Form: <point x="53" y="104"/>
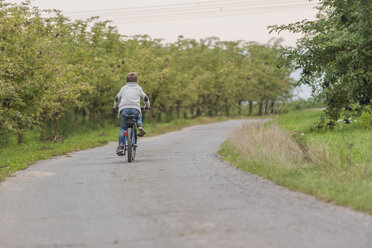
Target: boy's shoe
<point x="141" y="130"/>
<point x="120" y="150"/>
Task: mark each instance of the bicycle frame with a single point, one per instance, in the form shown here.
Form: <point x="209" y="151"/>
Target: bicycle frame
<point x="134" y="137"/>
<point x="130" y="137"/>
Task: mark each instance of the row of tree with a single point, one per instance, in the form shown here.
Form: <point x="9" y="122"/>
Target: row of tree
<point x="51" y="66"/>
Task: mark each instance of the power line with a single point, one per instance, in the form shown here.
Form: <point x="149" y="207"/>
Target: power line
<point x="170" y="9"/>
<point x="206" y="15"/>
<point x="180" y="5"/>
<point x="195" y="10"/>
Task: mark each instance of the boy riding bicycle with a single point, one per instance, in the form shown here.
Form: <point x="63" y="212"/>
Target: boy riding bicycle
<point x="127" y="102"/>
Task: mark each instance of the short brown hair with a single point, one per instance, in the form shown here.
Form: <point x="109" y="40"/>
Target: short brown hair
<point x="131" y="77"/>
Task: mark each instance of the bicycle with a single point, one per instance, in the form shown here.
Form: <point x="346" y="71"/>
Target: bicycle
<point x="130" y="136"/>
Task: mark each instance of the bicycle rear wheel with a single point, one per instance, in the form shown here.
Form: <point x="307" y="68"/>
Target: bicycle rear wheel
<point x="134" y="141"/>
<point x="130" y="146"/>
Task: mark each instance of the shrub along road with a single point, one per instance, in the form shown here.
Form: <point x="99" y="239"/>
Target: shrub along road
<point x="177" y="193"/>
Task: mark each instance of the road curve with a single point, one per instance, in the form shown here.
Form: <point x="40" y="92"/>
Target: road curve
<point x="176" y="194"/>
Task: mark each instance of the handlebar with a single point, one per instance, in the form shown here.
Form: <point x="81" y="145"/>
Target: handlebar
<point x="114" y="110"/>
<point x="145" y="108"/>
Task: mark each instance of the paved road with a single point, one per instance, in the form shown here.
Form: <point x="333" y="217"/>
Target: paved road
<point x="176" y="194"/>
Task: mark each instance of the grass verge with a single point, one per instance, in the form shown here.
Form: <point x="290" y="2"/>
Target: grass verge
<point x="335" y="166"/>
<point x="17" y="157"/>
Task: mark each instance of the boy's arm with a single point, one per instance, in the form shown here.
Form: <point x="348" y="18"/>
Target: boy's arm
<point x="117" y="100"/>
<point x="145" y="99"/>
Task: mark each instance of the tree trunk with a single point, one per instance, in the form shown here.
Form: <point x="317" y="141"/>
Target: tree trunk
<point x="250" y="108"/>
<point x="154" y="96"/>
<point x="20" y="132"/>
<point x="206" y="110"/>
<point x="272" y="107"/>
<point x="114" y="117"/>
<point x="192" y="111"/>
<point x="239" y="107"/>
<point x="260" y="108"/>
<point x="92" y="114"/>
<point x="198" y="111"/>
<point x="143" y="115"/>
<point x="56" y="123"/>
<point x="205" y="106"/>
<point x="151" y="115"/>
<point x="76" y="117"/>
<point x="159" y="117"/>
<point x="266" y="107"/>
<point x="227" y="110"/>
<point x="178" y="110"/>
<point x="102" y="117"/>
<point x="216" y="106"/>
<point x="170" y="114"/>
<point x="167" y="115"/>
<point x="44" y="128"/>
<point x="184" y="114"/>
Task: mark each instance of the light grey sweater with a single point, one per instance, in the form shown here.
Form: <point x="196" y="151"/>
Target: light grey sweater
<point x="130" y="96"/>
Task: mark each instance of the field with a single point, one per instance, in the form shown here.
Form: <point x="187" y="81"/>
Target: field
<point x="334" y="165"/>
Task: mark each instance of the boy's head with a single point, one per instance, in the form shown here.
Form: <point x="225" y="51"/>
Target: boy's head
<point x="131" y="77"/>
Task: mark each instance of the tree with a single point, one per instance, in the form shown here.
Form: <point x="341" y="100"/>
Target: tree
<point x="29" y="50"/>
<point x="268" y="79"/>
<point x="335" y="54"/>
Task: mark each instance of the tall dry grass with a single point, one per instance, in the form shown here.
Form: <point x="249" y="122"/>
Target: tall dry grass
<point x="333" y="165"/>
<point x="272" y="144"/>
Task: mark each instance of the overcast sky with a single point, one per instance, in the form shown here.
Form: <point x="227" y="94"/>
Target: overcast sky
<point x="167" y="19"/>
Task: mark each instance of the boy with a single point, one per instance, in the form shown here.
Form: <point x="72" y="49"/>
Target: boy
<point x="127" y="102"/>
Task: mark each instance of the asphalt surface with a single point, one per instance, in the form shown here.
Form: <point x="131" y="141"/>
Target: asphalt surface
<point x="177" y="193"/>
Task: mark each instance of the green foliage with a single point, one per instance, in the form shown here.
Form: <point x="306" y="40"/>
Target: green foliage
<point x="268" y="78"/>
<point x="335" y="55"/>
<point x="53" y="69"/>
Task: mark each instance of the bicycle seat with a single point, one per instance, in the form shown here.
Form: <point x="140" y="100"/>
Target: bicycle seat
<point x="131" y="119"/>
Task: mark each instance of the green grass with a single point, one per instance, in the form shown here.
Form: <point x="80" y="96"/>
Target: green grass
<point x="345" y="141"/>
<point x="341" y="173"/>
<point x="17" y="157"/>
